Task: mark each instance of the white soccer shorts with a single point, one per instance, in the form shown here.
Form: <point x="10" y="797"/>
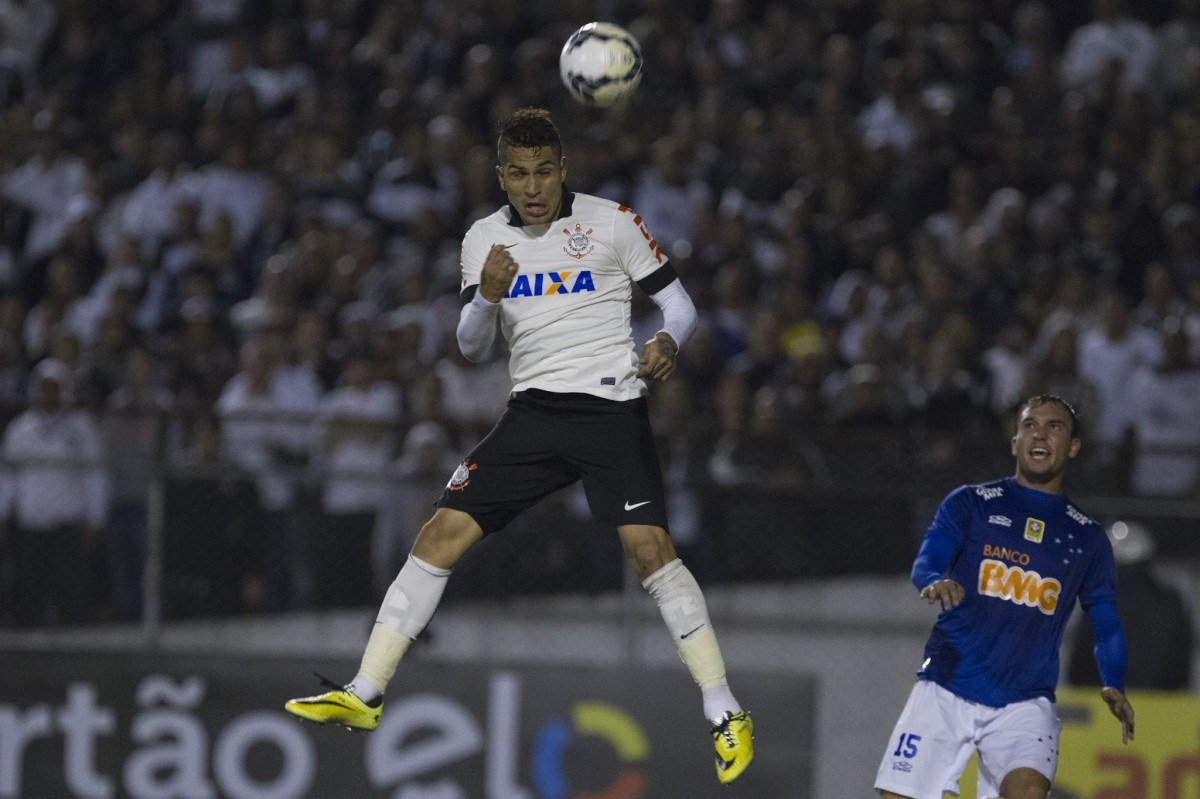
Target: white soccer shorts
<point x="938" y="731"/>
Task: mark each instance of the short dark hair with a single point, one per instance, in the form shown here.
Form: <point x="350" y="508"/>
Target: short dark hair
<point x="529" y="128"/>
<point x="1038" y="400"/>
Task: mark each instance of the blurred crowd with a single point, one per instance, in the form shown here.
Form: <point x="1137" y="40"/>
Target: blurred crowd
<point x="229" y="238"/>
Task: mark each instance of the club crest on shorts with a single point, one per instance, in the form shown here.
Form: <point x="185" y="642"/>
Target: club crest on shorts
<point x="578" y="244"/>
<point x="1034" y="530"/>
<point x="462" y="476"/>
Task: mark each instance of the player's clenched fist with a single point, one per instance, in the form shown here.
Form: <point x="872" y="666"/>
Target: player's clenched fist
<point x="499" y="269"/>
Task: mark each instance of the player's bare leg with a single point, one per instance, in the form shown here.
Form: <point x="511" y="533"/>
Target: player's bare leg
<point x="651" y="553"/>
<point x="446" y="537"/>
<point x="647" y="548"/>
<point x="407" y="608"/>
<point x="1024" y="783"/>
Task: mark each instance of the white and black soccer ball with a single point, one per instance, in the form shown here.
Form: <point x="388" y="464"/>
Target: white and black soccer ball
<point x="600" y="64"/>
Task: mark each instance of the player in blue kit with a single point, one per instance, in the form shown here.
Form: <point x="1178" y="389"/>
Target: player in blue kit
<point x="555" y="271"/>
<point x="1007" y="560"/>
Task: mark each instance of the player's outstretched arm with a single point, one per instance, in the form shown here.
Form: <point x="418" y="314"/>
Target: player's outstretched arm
<point x="1118" y="703"/>
<point x="946" y="591"/>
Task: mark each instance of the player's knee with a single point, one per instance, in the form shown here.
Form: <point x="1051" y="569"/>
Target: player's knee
<point x="445" y="538"/>
<point x="1025" y="783"/>
<point x="647" y="555"/>
<point x="645" y="558"/>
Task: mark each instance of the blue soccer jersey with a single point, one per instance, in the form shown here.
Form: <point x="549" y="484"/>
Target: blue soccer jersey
<point x="1023" y="558"/>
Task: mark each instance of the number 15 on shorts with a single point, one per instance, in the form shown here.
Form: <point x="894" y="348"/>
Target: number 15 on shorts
<point x="907" y="745"/>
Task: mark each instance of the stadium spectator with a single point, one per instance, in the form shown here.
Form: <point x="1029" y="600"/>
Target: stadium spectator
<point x="764" y="363"/>
<point x="1055" y="370"/>
<point x="1178" y="51"/>
<point x="353" y="442"/>
<point x="136" y="433"/>
<point x="474" y="394"/>
<point x="667" y="195"/>
<point x="13" y="396"/>
<point x="1181" y="223"/>
<point x="234" y="188"/>
<point x="29" y="25"/>
<point x="949" y="226"/>
<point x="419" y="469"/>
<point x="208" y="565"/>
<point x="278" y="77"/>
<point x="1109" y="355"/>
<point x="1113" y="51"/>
<point x="147" y="212"/>
<point x="45" y="185"/>
<point x="849" y="313"/>
<point x="209" y="26"/>
<point x="54" y="500"/>
<point x="62" y="304"/>
<point x="892" y="290"/>
<point x="953" y="401"/>
<point x="268" y="438"/>
<point x="1166" y="426"/>
<point x="1160" y="300"/>
<point x="678" y="431"/>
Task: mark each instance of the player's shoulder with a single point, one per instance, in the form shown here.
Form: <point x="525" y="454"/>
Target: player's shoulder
<point x="600" y="213"/>
<point x="982" y="492"/>
<point x="589" y="203"/>
<point x="487" y="225"/>
<point x="1079" y="517"/>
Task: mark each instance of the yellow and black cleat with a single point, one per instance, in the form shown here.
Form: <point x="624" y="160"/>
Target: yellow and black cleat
<point x="338" y="706"/>
<point x="734" y="739"/>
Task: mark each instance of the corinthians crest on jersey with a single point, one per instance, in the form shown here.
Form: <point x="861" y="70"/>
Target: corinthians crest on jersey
<point x="578" y="244"/>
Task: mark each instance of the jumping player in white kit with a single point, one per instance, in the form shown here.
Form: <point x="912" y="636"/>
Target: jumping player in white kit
<point x="1007" y="560"/>
<point x="558" y="270"/>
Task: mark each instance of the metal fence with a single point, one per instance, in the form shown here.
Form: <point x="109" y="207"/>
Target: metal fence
<point x="192" y="532"/>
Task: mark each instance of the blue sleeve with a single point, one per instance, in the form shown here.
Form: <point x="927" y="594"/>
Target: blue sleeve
<point x="1110" y="644"/>
<point x="943" y="539"/>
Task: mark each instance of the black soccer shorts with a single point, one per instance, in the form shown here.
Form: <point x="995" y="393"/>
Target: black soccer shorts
<point x="545" y="441"/>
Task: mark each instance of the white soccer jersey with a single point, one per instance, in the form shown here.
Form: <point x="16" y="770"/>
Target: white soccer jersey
<point x="566" y="316"/>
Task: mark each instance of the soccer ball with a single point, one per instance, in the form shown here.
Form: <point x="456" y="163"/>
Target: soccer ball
<point x="600" y="64"/>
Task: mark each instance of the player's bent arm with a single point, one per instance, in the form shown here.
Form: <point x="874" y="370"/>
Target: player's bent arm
<point x="942" y="540"/>
<point x="476" y="326"/>
<point x="678" y="310"/>
<point x="933" y="558"/>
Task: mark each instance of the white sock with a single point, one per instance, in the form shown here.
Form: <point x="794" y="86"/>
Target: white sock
<point x="364" y="689"/>
<point x="682" y="605"/>
<point x="719" y="701"/>
<point x="407" y="607"/>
